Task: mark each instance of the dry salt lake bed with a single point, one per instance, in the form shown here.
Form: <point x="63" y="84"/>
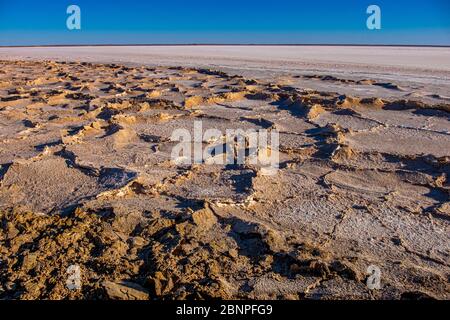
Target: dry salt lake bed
<point x="87" y="179"/>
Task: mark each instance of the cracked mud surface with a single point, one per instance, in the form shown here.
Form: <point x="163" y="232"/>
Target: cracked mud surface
<point x="87" y="179"/>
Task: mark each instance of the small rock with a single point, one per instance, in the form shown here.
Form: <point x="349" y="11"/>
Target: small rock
<point x="204" y="218"/>
<point x="233" y="253"/>
<point x="124" y="291"/>
<point x="12" y="231"/>
<point x="138" y="242"/>
<point x="29" y="261"/>
<point x="274" y="240"/>
<point x="160" y="284"/>
<point x="319" y="268"/>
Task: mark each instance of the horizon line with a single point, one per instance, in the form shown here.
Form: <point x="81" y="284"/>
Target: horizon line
<point x="227" y="44"/>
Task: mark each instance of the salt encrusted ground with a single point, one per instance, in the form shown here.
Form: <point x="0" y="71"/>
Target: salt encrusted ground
<point x="87" y="179"/>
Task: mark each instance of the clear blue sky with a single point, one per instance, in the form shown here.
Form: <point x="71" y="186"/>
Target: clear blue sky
<point x="38" y="22"/>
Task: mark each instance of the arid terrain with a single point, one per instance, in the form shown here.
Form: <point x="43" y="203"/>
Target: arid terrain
<point x="87" y="179"/>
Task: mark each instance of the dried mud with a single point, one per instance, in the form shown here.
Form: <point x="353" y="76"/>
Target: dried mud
<point x="87" y="180"/>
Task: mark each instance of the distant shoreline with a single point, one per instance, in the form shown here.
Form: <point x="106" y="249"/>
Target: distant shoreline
<point x="228" y="44"/>
<point x="377" y="59"/>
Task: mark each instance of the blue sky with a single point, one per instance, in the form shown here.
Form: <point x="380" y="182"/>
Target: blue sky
<point x="233" y="21"/>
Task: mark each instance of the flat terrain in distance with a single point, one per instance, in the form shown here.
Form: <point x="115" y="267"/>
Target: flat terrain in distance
<point x="87" y="179"/>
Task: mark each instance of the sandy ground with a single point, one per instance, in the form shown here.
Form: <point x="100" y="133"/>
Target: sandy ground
<point x="87" y="177"/>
